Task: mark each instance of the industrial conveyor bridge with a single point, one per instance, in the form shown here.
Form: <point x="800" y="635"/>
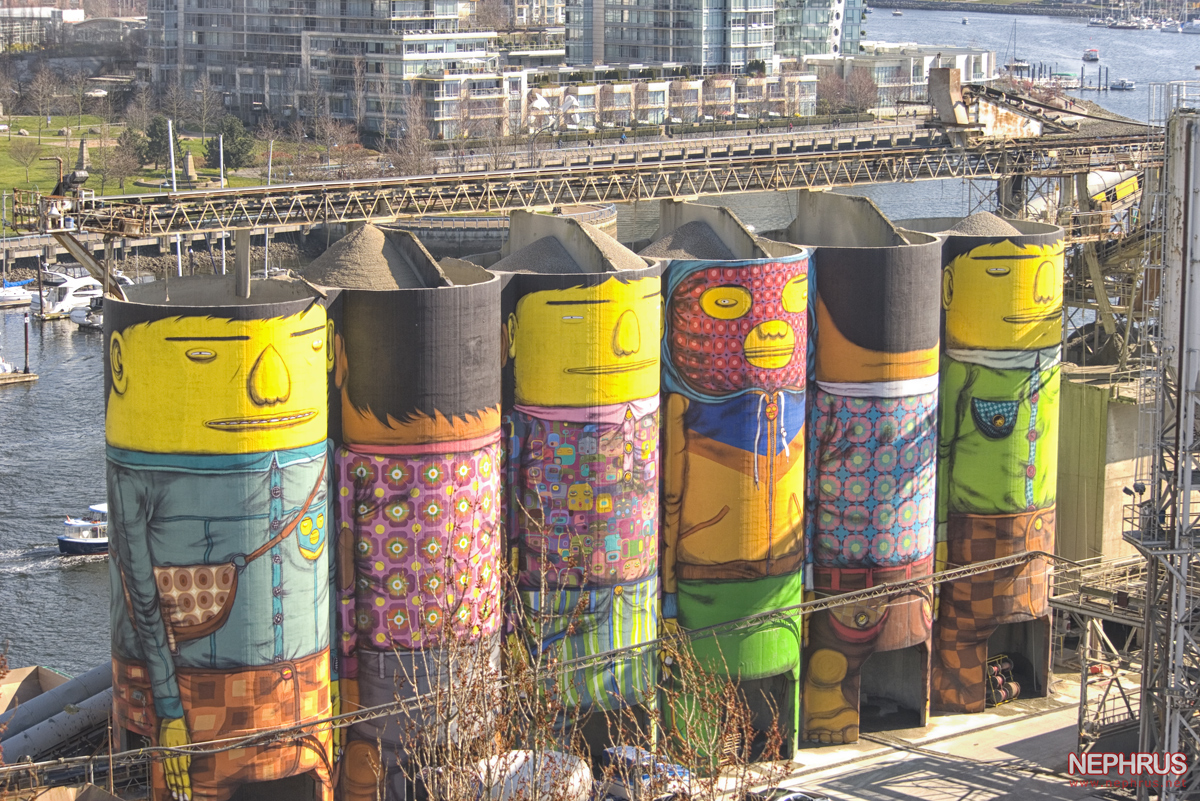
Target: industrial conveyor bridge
<point x="672" y="170"/>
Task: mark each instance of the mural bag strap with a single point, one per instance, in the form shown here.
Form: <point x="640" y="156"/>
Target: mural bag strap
<point x="196" y="599"/>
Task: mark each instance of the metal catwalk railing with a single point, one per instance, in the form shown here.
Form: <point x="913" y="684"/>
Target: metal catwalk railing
<point x="682" y="172"/>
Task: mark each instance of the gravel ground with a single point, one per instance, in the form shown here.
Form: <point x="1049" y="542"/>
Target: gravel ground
<point x="983" y="223"/>
<point x="363" y="259"/>
<point x="694" y="240"/>
<point x="546" y="256"/>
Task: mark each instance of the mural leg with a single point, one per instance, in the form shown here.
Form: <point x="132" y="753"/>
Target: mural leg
<point x="840" y="644"/>
<point x="972" y="609"/>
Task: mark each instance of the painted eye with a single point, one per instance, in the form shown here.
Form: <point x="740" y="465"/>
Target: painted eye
<point x="201" y="355"/>
<point x="726" y="302"/>
<point x="998" y="271"/>
<point x="795" y="294"/>
<point x="573" y="318"/>
<point x="318" y="343"/>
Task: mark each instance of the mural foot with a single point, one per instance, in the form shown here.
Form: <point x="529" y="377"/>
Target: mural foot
<point x="828" y="717"/>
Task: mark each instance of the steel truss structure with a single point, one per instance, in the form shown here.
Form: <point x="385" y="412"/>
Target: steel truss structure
<point x="684" y="172"/>
<point x="1163" y="520"/>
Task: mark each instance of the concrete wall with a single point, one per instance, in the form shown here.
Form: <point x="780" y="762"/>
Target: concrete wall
<point x="831" y="220"/>
<point x="674" y="214"/>
<point x="1097" y="459"/>
<point x="527" y="227"/>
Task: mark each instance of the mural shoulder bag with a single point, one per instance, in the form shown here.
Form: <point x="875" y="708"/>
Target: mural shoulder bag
<point x="197" y="599"/>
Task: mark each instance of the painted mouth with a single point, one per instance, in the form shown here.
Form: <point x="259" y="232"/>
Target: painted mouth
<point x="1034" y="317"/>
<point x="607" y="369"/>
<point x="262" y="421"/>
<point x="760" y="353"/>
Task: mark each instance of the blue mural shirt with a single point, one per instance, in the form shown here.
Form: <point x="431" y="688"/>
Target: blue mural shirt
<point x="181" y="510"/>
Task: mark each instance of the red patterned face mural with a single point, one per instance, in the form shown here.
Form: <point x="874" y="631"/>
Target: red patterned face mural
<point x="737" y="329"/>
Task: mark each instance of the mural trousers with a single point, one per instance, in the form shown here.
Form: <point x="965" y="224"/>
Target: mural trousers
<point x="971" y="609"/>
<point x="841" y="640"/>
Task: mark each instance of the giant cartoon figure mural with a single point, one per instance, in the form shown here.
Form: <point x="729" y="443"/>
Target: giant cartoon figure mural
<point x="217" y="474"/>
<point x="998" y="445"/>
<point x="872" y="457"/>
<point x="581" y="426"/>
<point x="734" y="356"/>
<point x="418" y="483"/>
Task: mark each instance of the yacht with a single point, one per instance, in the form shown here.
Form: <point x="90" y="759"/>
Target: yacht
<point x="897" y="13"/>
<point x="1091" y="55"/>
<point x="86" y="536"/>
<point x="1100" y="22"/>
<point x="13" y="296"/>
<point x="1190" y="27"/>
<point x="60" y="300"/>
<point x="1123" y="85"/>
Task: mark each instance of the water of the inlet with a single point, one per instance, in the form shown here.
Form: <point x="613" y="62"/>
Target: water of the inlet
<point x="54" y="610"/>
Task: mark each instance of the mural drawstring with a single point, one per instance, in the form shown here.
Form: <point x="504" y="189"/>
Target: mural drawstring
<point x="783" y="424"/>
<point x="762" y="399"/>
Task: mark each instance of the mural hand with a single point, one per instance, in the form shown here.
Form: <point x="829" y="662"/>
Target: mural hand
<point x="173" y="733"/>
<point x="670" y="614"/>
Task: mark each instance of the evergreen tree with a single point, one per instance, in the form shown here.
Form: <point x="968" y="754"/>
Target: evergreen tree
<point x="239" y="145"/>
<point x="158" y="149"/>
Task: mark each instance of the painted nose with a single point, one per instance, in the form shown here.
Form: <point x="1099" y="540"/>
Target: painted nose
<point x="627" y="335"/>
<point x="269" y="382"/>
<point x="1044" y="283"/>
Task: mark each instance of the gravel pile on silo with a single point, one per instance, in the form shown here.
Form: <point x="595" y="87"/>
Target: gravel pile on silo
<point x="694" y="240"/>
<point x="546" y="256"/>
<point x="983" y="224"/>
<point x="363" y="259"/>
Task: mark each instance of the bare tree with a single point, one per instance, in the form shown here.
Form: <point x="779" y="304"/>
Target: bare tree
<point x="862" y="92"/>
<point x="604" y="105"/>
<point x="8" y="100"/>
<point x="140" y="110"/>
<point x="25" y="152"/>
<point x="42" y="97"/>
<point x="412" y="154"/>
<point x="208" y="105"/>
<point x="637" y="100"/>
<point x="831" y="93"/>
<point x="492" y="14"/>
<point x="174" y="103"/>
<point x="76" y="87"/>
<point x="360" y="92"/>
<point x="387" y="99"/>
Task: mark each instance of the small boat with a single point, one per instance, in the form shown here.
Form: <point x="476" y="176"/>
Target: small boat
<point x="13" y="296"/>
<point x="965" y="21"/>
<point x="897" y="13"/>
<point x="1091" y="55"/>
<point x="90" y="316"/>
<point x="88" y="536"/>
<point x="1191" y="27"/>
<point x="1100" y="22"/>
<point x="868" y="10"/>
<point x="1126" y="25"/>
<point x="1123" y="85"/>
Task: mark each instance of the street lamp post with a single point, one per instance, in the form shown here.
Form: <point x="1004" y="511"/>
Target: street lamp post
<point x="533" y="142"/>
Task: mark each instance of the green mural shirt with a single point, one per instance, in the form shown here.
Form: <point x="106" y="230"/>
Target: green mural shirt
<point x="998" y="432"/>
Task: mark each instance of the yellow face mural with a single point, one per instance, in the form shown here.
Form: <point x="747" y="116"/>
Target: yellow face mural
<point x="1004" y="297"/>
<point x="210" y="385"/>
<point x="587" y="346"/>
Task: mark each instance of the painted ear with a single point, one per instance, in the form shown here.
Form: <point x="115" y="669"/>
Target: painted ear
<point x="330" y="354"/>
<point x="116" y="363"/>
<point x="512" y="336"/>
<point x="341" y="368"/>
<point x="947" y="287"/>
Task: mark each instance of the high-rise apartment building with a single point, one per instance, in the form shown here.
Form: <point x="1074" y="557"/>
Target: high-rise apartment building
<point x="818" y="27"/>
<point x="273" y="56"/>
<point x="710" y="36"/>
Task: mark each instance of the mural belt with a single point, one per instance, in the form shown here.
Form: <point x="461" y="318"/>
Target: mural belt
<point x="197" y="599"/>
<point x="742" y="569"/>
<point x="849" y="579"/>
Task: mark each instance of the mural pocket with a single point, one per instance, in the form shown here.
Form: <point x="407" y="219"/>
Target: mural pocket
<point x="994" y="419"/>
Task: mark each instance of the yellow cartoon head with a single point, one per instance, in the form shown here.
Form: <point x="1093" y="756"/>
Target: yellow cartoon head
<point x="579" y="497"/>
<point x="587" y="346"/>
<point x="215" y="385"/>
<point x="1004" y="296"/>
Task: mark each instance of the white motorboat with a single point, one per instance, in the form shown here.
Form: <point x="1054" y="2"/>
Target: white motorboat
<point x="61" y="300"/>
<point x="90" y="316"/>
<point x="1123" y="85"/>
<point x="1091" y="55"/>
<point x="13" y="296"/>
<point x="86" y="536"/>
<point x="1192" y="26"/>
<point x="897" y="13"/>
